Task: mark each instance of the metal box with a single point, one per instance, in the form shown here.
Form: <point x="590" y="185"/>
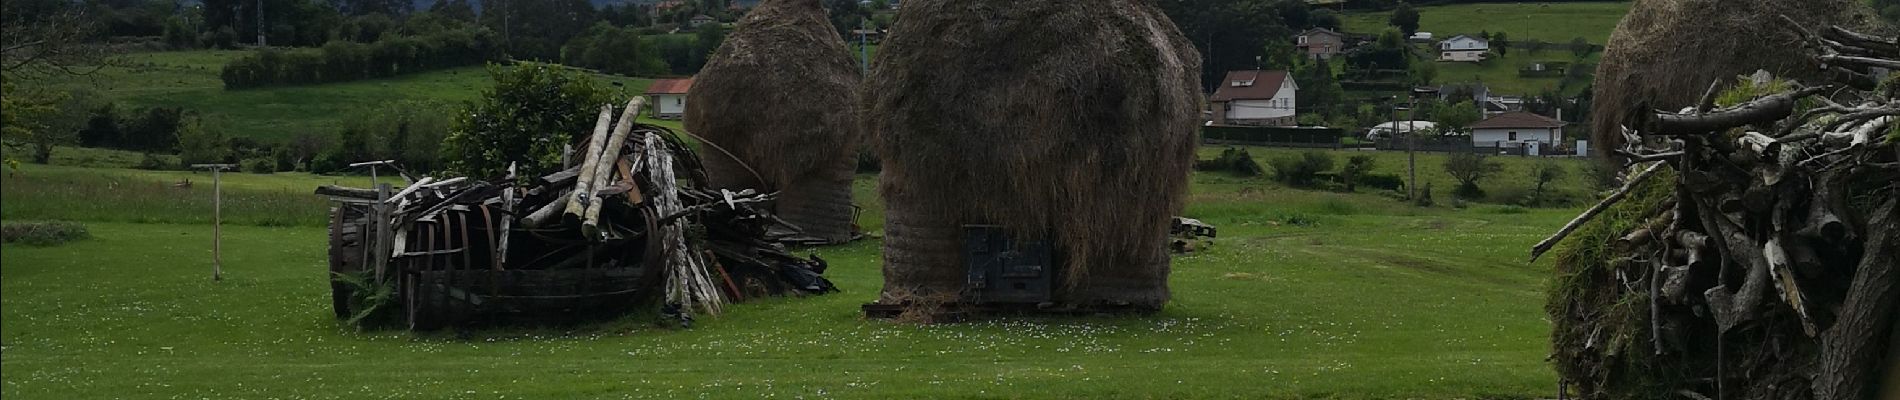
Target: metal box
<point x="1003" y="270"/>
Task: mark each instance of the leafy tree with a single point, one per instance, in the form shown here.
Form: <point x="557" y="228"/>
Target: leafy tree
<point x="459" y="10"/>
<point x="1319" y="90"/>
<point x="1230" y="34"/>
<point x="1326" y="18"/>
<point x="1544" y="173"/>
<point x="1295" y="13"/>
<point x="1456" y="116"/>
<point x="1301" y="171"/>
<point x="1501" y="43"/>
<point x="30" y="119"/>
<point x="526" y="118"/>
<point x="1469" y="169"/>
<point x="1422" y="73"/>
<point x="1405" y="18"/>
<point x="202" y="143"/>
<point x="1356" y="167"/>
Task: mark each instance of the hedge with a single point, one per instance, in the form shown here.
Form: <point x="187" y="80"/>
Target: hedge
<point x="343" y="61"/>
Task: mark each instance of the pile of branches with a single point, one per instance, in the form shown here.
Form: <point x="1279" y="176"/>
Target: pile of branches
<point x="631" y="223"/>
<point x="1758" y="262"/>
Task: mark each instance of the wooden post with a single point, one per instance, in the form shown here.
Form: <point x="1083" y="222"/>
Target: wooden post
<point x="217" y="217"/>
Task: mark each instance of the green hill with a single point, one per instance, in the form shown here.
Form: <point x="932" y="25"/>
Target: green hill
<point x="1550" y="22"/>
<point x="189" y="79"/>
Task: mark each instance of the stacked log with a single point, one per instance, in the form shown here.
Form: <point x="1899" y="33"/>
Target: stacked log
<point x="1756" y="259"/>
<point x="633" y="224"/>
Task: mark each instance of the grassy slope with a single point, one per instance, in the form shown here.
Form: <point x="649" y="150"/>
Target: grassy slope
<point x="189" y="79"/>
<point x="1374" y="300"/>
<point x="1550" y="22"/>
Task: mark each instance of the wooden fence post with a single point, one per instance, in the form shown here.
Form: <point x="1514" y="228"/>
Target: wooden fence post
<point x="217" y="217"/>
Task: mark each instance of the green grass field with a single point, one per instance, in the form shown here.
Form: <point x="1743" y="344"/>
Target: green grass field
<point x="1305" y="294"/>
<point x="189" y="79"/>
<point x="1550" y="22"/>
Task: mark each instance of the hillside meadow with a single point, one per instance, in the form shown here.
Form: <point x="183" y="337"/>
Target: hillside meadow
<point x="1305" y="294"/>
<point x="189" y="79"/>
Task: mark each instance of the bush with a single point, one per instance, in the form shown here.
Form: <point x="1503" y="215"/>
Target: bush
<point x="1468" y="169"/>
<point x="152" y="162"/>
<point x="42" y="233"/>
<point x="1233" y="161"/>
<point x="342" y="61"/>
<point x="1301" y="171"/>
<point x="1424" y="196"/>
<point x="1356" y="168"/>
<point x="1382" y="182"/>
<point x="260" y="166"/>
<point x="524" y="119"/>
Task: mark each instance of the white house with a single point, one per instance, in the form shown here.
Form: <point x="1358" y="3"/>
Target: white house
<point x="1463" y="48"/>
<point x="668" y="97"/>
<point x="1517" y="129"/>
<point x="1255" y="98"/>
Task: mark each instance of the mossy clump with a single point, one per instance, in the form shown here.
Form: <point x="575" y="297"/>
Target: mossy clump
<point x="1600" y="327"/>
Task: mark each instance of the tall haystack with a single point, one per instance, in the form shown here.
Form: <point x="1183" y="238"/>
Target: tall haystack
<point x="780" y="95"/>
<point x="1665" y="53"/>
<point x="1070" y="122"/>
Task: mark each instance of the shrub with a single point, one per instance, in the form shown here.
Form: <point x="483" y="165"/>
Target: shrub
<point x="152" y="162"/>
<point x="1356" y="168"/>
<point x="260" y="165"/>
<point x="42" y="233"/>
<point x="1424" y="196"/>
<point x="1233" y="161"/>
<point x="1468" y="169"/>
<point x="1382" y="182"/>
<point x="524" y="119"/>
<point x="1301" y="171"/>
<point x="341" y="60"/>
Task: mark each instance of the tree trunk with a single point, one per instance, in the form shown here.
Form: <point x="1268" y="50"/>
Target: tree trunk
<point x="1849" y="364"/>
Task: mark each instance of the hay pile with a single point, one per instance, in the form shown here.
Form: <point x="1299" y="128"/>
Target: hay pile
<point x="1065" y="121"/>
<point x="1667" y="52"/>
<point x="780" y="95"/>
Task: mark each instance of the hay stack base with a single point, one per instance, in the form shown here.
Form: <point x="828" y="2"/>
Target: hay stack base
<point x="1754" y="255"/>
<point x="776" y="102"/>
<point x="1067" y="124"/>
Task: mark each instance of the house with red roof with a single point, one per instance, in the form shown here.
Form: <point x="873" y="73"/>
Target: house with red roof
<point x="668" y="97"/>
<point x="1518" y="129"/>
<point x="1255" y="98"/>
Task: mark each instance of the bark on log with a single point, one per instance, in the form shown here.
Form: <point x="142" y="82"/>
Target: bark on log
<point x="1846" y="367"/>
<point x="1764" y="111"/>
<point x="584" y="183"/>
<point x="604" y="166"/>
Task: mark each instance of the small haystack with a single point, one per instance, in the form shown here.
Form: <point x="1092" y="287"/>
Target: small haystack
<point x="1666" y="53"/>
<point x="780" y="96"/>
<point x="1065" y="122"/>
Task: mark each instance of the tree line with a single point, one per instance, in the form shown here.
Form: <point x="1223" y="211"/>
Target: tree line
<point x="341" y="60"/>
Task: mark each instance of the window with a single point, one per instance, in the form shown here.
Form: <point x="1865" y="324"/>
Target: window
<point x="679" y="100"/>
<point x="1513" y="136"/>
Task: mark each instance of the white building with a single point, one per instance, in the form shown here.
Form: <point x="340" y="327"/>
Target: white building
<point x="668" y="97"/>
<point x="1256" y="98"/>
<point x="1463" y="48"/>
<point x="1518" y="129"/>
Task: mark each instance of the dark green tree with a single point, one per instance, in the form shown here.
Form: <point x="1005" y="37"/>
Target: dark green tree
<point x="1405" y="18"/>
<point x="526" y="118"/>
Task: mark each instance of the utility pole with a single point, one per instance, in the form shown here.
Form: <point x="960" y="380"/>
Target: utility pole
<point x="217" y="217"/>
